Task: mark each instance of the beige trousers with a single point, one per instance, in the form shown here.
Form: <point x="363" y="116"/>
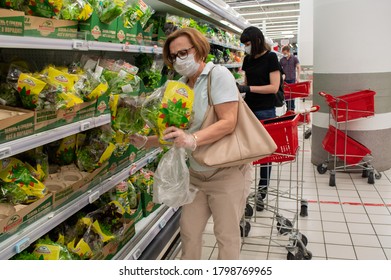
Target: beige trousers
<point x="222" y="194"/>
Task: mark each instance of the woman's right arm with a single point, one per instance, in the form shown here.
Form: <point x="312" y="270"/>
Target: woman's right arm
<point x="140" y="141"/>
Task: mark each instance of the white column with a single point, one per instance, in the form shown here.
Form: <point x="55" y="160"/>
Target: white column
<point x="306" y="33"/>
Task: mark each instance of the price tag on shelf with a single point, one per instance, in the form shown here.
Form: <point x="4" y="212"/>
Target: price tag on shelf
<point x="126" y="48"/>
<point x="5" y="152"/>
<point x="93" y="197"/>
<point x="80" y="45"/>
<point x="142" y="49"/>
<point x="85" y="126"/>
<point x="136" y="254"/>
<point x="22" y="244"/>
<point x="162" y="223"/>
<point x="133" y="169"/>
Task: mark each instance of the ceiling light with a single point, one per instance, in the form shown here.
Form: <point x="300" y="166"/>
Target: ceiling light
<point x="231" y="25"/>
<point x="270" y="12"/>
<point x="265" y="5"/>
<point x="287" y="32"/>
<point x="268" y="18"/>
<point x="194" y="7"/>
<point x="289" y="36"/>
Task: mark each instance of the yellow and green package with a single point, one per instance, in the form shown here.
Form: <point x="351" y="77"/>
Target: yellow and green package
<point x="97" y="148"/>
<point x="29" y="89"/>
<point x="63" y="152"/>
<point x="121" y="142"/>
<point x="44" y="8"/>
<point x="124" y="196"/>
<point x="62" y="81"/>
<point x="37" y="162"/>
<point x="143" y="180"/>
<point x="67" y="100"/>
<point x="170" y="105"/>
<point x="91" y="85"/>
<point x="49" y="250"/>
<point x="14" y="171"/>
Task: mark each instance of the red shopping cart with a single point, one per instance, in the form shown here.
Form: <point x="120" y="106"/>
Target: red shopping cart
<point x="297" y="90"/>
<point x="285" y="133"/>
<point x="342" y="110"/>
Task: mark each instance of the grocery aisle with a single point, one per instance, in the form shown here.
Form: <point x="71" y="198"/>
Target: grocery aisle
<point x="349" y="222"/>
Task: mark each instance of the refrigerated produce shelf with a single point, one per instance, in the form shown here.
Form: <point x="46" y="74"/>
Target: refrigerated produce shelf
<point x="25" y="236"/>
<point x="23" y="144"/>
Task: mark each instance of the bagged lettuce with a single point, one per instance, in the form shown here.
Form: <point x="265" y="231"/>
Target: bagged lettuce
<point x="44" y="8"/>
<point x="12" y="4"/>
<point x="170" y="105"/>
<point x="137" y="12"/>
<point x="109" y="10"/>
<point x="29" y="89"/>
<point x="76" y="10"/>
<point x="47" y="249"/>
<point x="15" y="171"/>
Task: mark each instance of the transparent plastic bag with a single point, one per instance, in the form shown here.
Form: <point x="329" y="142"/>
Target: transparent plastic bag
<point x="172" y="180"/>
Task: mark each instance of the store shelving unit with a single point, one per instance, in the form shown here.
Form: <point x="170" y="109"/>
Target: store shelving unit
<point x="75" y="44"/>
<point x="23" y="144"/>
<point x="24" y="237"/>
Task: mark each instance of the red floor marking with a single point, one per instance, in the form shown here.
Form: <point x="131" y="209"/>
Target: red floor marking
<point x="350" y="203"/>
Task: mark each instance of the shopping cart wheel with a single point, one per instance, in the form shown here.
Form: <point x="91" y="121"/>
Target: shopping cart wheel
<point x="304" y="239"/>
<point x="248" y="211"/>
<point x="377" y="175"/>
<point x="244" y="231"/>
<point x="304" y="208"/>
<point x="371" y="177"/>
<point x="365" y="171"/>
<point x="332" y="180"/>
<point x="284" y="226"/>
<point x="307" y="133"/>
<point x="322" y="168"/>
<point x="300" y="255"/>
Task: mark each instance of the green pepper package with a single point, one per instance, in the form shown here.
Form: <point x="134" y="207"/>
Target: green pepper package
<point x="137" y="12"/>
<point x="76" y="10"/>
<point x="44" y="8"/>
<point x="126" y="113"/>
<point x="15" y="171"/>
<point x="96" y="150"/>
<point x="170" y="105"/>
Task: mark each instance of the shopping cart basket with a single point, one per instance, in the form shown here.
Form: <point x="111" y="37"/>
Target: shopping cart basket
<point x="297" y="90"/>
<point x="344" y="147"/>
<point x="352" y="106"/>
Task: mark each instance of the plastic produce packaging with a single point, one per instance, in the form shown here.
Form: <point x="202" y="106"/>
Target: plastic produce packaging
<point x="76" y="10"/>
<point x="109" y="10"/>
<point x="170" y="105"/>
<point x="44" y="8"/>
<point x="172" y="180"/>
<point x="97" y="148"/>
<point x="138" y="11"/>
<point x="17" y="179"/>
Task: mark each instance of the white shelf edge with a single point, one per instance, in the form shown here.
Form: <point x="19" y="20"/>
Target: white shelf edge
<point x="25" y="42"/>
<point x="232" y="65"/>
<point x="133" y="251"/>
<point x="228" y="46"/>
<point x="23" y="144"/>
<point x="49" y="221"/>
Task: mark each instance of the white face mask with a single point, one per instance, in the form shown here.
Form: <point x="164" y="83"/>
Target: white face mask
<point x="186" y="67"/>
<point x="247" y="49"/>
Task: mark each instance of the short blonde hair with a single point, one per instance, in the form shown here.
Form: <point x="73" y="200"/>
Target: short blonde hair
<point x="199" y="42"/>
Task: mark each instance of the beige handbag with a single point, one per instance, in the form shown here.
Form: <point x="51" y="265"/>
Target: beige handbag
<point x="249" y="142"/>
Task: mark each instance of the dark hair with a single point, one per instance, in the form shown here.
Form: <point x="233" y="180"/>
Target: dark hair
<point x="255" y="36"/>
<point x="286" y="48"/>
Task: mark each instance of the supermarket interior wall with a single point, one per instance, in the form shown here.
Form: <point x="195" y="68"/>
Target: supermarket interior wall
<point x="348" y="57"/>
<point x="306" y="33"/>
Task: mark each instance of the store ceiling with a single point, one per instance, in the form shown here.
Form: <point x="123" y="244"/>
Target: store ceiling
<point x="278" y="19"/>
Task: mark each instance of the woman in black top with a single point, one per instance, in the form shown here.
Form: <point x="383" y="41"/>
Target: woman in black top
<point x="262" y="81"/>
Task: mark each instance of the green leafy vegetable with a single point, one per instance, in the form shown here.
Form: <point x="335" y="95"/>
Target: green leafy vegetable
<point x="9" y="96"/>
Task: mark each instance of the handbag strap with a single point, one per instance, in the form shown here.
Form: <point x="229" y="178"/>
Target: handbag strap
<point x="209" y="86"/>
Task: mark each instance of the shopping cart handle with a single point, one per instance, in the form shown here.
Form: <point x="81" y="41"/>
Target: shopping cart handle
<point x="321" y="93"/>
<point x="313" y="109"/>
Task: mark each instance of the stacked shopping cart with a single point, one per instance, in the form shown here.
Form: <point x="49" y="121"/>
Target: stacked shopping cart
<point x="285" y="133"/>
<point x="342" y="110"/>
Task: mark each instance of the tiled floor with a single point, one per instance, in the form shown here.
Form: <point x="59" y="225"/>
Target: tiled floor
<point x="351" y="221"/>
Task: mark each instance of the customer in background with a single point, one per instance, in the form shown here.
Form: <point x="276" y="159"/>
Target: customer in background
<point x="262" y="80"/>
<point x="222" y="192"/>
<point x="291" y="66"/>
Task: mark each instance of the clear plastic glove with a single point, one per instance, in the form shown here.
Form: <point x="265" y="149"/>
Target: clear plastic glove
<point x="138" y="140"/>
<point x="180" y="138"/>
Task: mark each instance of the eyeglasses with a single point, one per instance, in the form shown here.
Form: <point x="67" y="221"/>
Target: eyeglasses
<point x="182" y="54"/>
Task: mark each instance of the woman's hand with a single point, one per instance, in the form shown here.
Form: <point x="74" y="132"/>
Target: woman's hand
<point x="180" y="138"/>
<point x="138" y="140"/>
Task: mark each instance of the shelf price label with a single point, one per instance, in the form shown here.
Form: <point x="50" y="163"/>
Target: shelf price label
<point x="85" y="126"/>
<point x="126" y="48"/>
<point x="5" y="152"/>
<point x="22" y="244"/>
<point x="80" y="45"/>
